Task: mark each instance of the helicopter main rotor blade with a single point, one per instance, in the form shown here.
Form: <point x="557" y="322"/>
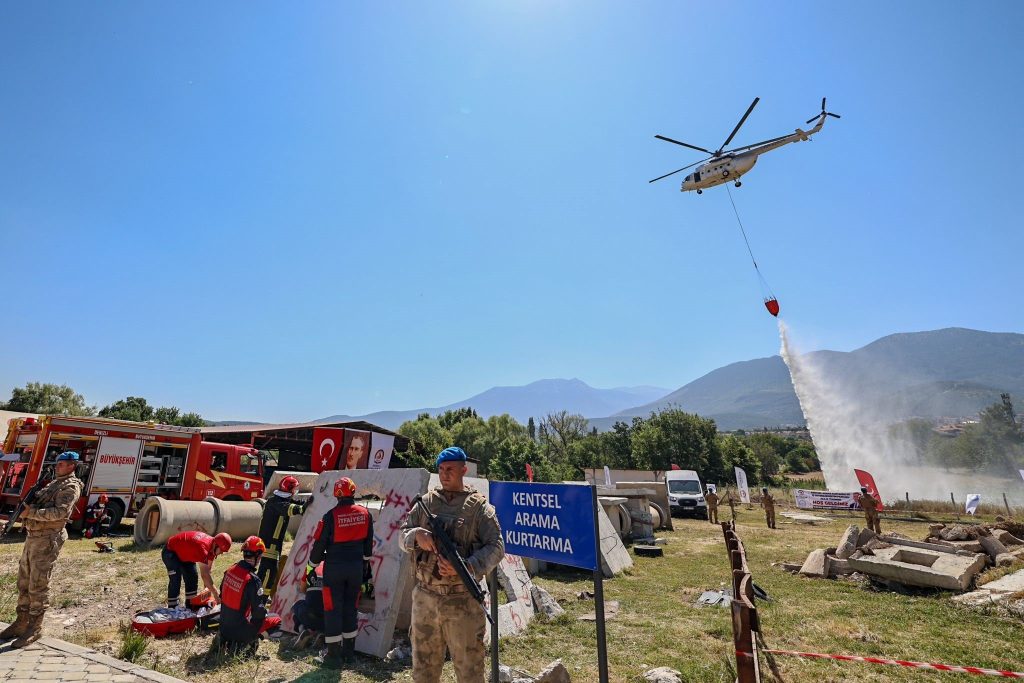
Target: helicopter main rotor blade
<point x="823" y="104"/>
<point x="684" y="144"/>
<point x="737" y="128"/>
<point x="678" y="170"/>
<point x="813" y="118"/>
<point x="756" y="144"/>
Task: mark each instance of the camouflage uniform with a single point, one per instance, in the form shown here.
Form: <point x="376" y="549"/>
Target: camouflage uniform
<point x="870" y="505"/>
<point x="443" y="611"/>
<point x="712" y="500"/>
<point x="768" y="503"/>
<point x="44" y="522"/>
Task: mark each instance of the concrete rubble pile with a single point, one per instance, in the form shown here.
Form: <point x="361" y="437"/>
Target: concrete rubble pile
<point x="1001" y="546"/>
<point x="893" y="558"/>
<point x="555" y="672"/>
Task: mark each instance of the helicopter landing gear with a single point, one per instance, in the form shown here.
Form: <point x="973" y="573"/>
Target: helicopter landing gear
<point x="738" y="183"/>
<point x="700" y="191"/>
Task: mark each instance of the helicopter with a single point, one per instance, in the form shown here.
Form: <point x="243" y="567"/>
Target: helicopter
<point x="726" y="165"/>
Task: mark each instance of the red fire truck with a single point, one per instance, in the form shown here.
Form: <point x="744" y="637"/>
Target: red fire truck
<point x="128" y="461"/>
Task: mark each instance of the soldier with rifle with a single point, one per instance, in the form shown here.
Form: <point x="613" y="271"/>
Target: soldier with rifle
<point x="456" y="521"/>
<point x="43" y="513"/>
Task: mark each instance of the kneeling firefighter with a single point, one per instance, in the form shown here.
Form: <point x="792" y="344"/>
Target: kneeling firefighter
<point x="243" y="614"/>
<point x="344" y="542"/>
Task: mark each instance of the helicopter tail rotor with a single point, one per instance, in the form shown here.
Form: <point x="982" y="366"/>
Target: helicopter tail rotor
<point x="823" y="113"/>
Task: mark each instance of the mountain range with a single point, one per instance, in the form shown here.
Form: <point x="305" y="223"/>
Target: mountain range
<point x="952" y="372"/>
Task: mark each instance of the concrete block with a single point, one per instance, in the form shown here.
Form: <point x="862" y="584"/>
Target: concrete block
<point x="920" y="567"/>
<point x="969" y="546"/>
<point x="614" y="557"/>
<point x="816" y="564"/>
<point x="392" y="568"/>
<point x="994" y="591"/>
<point x="1005" y="537"/>
<point x="517" y="613"/>
<point x="864" y="536"/>
<point x="544" y="603"/>
<point x="553" y="673"/>
<point x="659" y="496"/>
<point x="848" y="543"/>
<point x="993" y="547"/>
<point x="838" y="567"/>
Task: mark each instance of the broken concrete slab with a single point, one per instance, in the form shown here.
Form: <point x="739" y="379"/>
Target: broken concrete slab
<point x="848" y="543"/>
<point x="994" y="591"/>
<point x="663" y="674"/>
<point x="816" y="564"/>
<point x="804" y="518"/>
<point x="517" y="613"/>
<point x="993" y="547"/>
<point x="545" y="604"/>
<point x="913" y="566"/>
<point x="838" y="567"/>
<point x="555" y="672"/>
<point x="864" y="536"/>
<point x="615" y="559"/>
<point x="1005" y="537"/>
<point x="969" y="546"/>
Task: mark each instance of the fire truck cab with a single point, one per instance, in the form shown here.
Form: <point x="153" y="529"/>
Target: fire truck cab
<point x="128" y="461"/>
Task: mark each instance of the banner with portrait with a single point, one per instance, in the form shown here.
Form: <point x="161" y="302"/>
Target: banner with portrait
<point x="356" y="451"/>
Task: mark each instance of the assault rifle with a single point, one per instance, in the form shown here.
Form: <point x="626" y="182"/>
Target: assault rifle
<point x="44" y="478"/>
<point x="447" y="549"/>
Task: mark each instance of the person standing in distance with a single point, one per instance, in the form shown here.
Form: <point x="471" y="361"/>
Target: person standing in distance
<point x="44" y="518"/>
<point x="343" y="541"/>
<point x="869" y="504"/>
<point x="444" y="613"/>
<point x="768" y="503"/>
<point x="278" y="509"/>
<point x="711" y="498"/>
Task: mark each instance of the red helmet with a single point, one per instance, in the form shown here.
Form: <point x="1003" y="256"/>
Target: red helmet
<point x="253" y="545"/>
<point x="344" y="488"/>
<point x="222" y="541"/>
<point x="103" y="498"/>
<point x="289" y="484"/>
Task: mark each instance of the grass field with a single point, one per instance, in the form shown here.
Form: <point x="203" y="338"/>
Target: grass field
<point x="658" y="624"/>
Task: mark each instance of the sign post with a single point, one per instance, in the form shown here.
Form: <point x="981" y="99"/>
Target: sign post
<point x="492" y="587"/>
<point x="557" y="523"/>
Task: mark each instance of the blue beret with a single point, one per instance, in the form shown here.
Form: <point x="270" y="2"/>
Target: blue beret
<point x="449" y="454"/>
<point x="67" y="455"/>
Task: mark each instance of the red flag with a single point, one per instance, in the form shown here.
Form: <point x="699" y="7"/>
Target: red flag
<point x="675" y="467"/>
<point x="867" y="481"/>
<point x="327" y="442"/>
<point x="529" y="472"/>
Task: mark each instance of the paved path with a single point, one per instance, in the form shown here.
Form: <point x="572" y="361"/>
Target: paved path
<point x="49" y="659"/>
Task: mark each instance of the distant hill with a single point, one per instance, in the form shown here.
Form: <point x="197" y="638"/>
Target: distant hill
<point x="536" y="399"/>
<point x="949" y="372"/>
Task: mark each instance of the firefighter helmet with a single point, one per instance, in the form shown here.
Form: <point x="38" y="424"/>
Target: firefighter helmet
<point x="253" y="545"/>
<point x="222" y="541"/>
<point x="344" y="488"/>
<point x="103" y="499"/>
<point x="289" y="484"/>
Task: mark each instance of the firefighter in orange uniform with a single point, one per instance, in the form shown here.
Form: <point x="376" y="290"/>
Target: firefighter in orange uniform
<point x="344" y="542"/>
<point x="243" y="613"/>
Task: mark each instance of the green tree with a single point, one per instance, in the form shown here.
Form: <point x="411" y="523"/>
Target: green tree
<point x="47" y="399"/>
<point x="735" y="453"/>
<point x="676" y="437"/>
<point x="428" y="434"/>
<point x="558" y="432"/>
<point x="134" y="408"/>
<point x="513" y="455"/>
<point x="531" y="428"/>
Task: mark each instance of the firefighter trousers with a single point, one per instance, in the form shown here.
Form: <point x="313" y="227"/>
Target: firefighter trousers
<point x="341" y="594"/>
<point x="267" y="573"/>
<point x="37" y="558"/>
<point x="455" y="622"/>
<point x="176" y="571"/>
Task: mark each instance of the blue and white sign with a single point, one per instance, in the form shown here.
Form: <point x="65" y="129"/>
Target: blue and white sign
<point x="550" y="522"/>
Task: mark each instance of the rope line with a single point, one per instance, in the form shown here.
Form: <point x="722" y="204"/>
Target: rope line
<point x="896" y="662"/>
<point x="743" y="231"/>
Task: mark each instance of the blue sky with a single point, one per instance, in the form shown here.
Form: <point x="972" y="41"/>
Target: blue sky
<point x="281" y="212"/>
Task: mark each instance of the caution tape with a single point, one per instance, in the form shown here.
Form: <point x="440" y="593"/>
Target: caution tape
<point x="896" y="662"/>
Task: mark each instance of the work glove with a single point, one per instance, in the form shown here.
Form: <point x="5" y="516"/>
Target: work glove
<point x="367" y="571"/>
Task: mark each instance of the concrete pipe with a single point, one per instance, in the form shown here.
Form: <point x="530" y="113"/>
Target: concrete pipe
<point x="239" y="519"/>
<point x="625" y="521"/>
<point x="657" y="515"/>
<point x="159" y="519"/>
<point x="306" y="481"/>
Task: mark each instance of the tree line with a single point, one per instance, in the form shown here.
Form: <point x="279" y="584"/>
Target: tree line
<point x="994" y="444"/>
<point x="562" y="445"/>
<point x="53" y="399"/>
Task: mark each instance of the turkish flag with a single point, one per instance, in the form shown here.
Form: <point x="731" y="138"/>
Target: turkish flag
<point x="867" y="481"/>
<point x="327" y="443"/>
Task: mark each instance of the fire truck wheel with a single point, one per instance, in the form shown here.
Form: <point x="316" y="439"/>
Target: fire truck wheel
<point x="116" y="513"/>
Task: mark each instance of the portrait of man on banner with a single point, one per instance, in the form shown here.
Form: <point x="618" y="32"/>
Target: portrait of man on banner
<point x="356" y="450"/>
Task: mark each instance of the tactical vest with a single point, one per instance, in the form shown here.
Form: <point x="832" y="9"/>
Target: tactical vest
<point x="461" y="522"/>
<point x="233" y="589"/>
<point x="47" y="498"/>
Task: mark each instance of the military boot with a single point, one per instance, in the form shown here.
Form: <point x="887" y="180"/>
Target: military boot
<point x="348" y="650"/>
<point x="33" y="632"/>
<point x="18" y="628"/>
<point x="332" y="659"/>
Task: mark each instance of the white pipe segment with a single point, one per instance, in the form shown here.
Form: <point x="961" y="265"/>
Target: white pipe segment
<point x="159" y="519"/>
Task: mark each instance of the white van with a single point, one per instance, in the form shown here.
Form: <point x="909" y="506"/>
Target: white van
<point x="686" y="493"/>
